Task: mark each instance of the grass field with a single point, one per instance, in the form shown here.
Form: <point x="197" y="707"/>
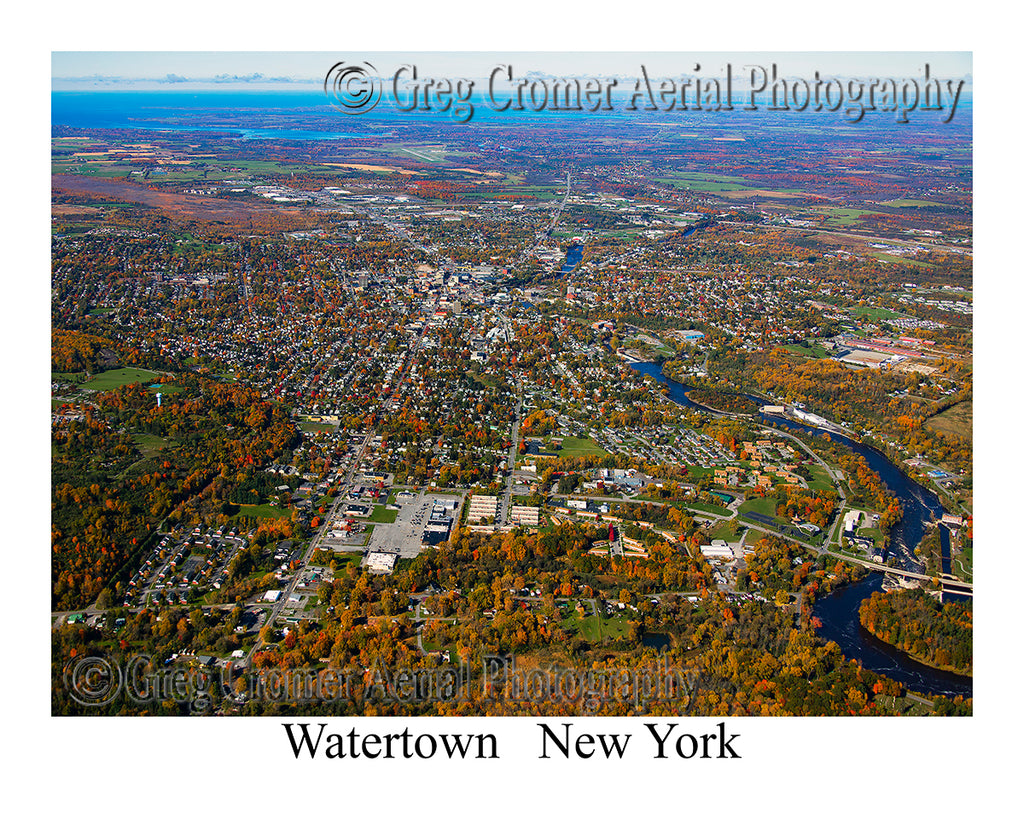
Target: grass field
<point x="818" y="480"/>
<point x="112" y="379"/>
<point x="578" y="447"/>
<point x="813" y="351"/>
<point x="888" y="257"/>
<point x="382" y="514"/>
<point x="148" y="444"/>
<point x="710" y="183"/>
<point x="870" y="532"/>
<point x="595" y="629"/>
<point x="262" y="510"/>
<point x="912" y="203"/>
<point x="726" y="530"/>
<point x="957" y="420"/>
<point x="844" y="217"/>
<point x="875" y="312"/>
<point x="764" y="506"/>
<point x="697" y="506"/>
<point x="753" y="537"/>
<point x="964" y="563"/>
<point x="313" y="426"/>
<point x="67" y="378"/>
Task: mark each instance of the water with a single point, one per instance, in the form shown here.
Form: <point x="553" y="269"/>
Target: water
<point x="247" y="114"/>
<point x="689" y="231"/>
<point x="572" y="258"/>
<point x="839" y="612"/>
<point x="656" y="641"/>
<point x="920" y="505"/>
<point x="840" y="621"/>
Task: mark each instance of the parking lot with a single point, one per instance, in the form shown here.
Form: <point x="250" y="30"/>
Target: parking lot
<point x="403" y="536"/>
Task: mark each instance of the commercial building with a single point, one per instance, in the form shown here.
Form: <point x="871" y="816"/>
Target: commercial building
<point x="381" y="562"/>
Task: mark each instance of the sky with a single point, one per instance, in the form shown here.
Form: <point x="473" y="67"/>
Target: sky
<point x="113" y="70"/>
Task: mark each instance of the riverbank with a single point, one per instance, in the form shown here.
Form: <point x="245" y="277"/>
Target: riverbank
<point x="839" y="612"/>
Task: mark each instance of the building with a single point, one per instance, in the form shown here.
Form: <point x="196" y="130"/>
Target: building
<point x="717" y="549"/>
<point x="482" y="506"/>
<point x="381" y="562"/>
<point x="525" y="515"/>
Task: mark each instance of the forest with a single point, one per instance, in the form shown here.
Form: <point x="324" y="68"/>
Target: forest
<point x="934" y="633"/>
<point x="110" y="495"/>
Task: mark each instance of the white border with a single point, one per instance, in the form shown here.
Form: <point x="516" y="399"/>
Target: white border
<point x="837" y="766"/>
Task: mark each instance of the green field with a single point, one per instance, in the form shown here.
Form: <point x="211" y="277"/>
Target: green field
<point x="67" y="378"/>
<point x="707" y="183"/>
<point x="148" y="444"/>
<point x="697" y="506"/>
<point x="578" y="447"/>
<point x="875" y="312"/>
<point x="872" y="533"/>
<point x="913" y="203"/>
<point x="753" y="537"/>
<point x="262" y="510"/>
<point x="594" y="628"/>
<point x="888" y="257"/>
<point x="818" y="480"/>
<point x="112" y="379"/>
<point x="382" y="514"/>
<point x="844" y="217"/>
<point x="314" y="426"/>
<point x="813" y="351"/>
<point x="963" y="564"/>
<point x="764" y="506"/>
<point x="726" y="530"/>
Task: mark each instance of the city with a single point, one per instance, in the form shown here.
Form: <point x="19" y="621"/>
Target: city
<point x="577" y="393"/>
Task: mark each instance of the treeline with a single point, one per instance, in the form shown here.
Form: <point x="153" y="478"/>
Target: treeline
<point x="72" y="351"/>
<point x="937" y="634"/>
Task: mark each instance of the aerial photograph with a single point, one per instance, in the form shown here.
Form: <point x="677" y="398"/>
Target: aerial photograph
<point x="523" y="384"/>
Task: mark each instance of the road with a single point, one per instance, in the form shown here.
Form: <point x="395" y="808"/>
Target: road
<point x="314" y="543"/>
<point x="505" y="504"/>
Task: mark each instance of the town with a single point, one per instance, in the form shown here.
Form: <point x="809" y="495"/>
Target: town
<point x="421" y="396"/>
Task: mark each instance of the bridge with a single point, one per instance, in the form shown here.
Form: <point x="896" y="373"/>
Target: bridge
<point x="947" y="582"/>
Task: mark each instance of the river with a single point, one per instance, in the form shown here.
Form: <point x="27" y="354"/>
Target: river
<point x="572" y="258"/>
<point x="839" y="611"/>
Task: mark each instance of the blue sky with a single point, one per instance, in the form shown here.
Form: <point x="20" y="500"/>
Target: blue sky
<point x="152" y="69"/>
